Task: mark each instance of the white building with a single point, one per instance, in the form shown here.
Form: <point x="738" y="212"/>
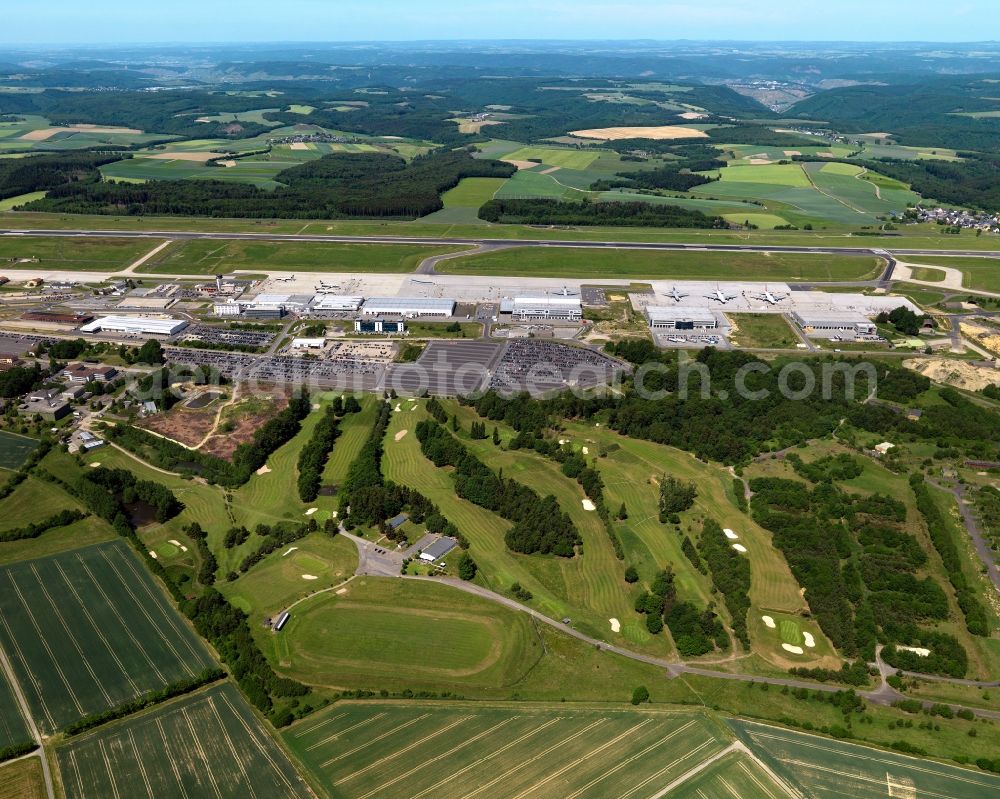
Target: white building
<point x="281" y="302"/>
<point x="680" y="318"/>
<point x="824" y="322"/>
<point x="227" y="309"/>
<point x="554" y="308"/>
<point x="136" y="326"/>
<point x="411" y="307"/>
<point x="308" y="343"/>
<point x="336" y="302"/>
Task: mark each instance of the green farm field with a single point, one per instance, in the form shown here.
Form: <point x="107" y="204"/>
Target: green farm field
<point x="13" y="728"/>
<point x="824" y="768"/>
<point x="206" y="744"/>
<point x="378" y="632"/>
<point x="364" y="751"/>
<point x="735" y="776"/>
<point x="15" y="449"/>
<point x="88" y="630"/>
<point x="560" y="262"/>
<point x="206" y="257"/>
<point x="22" y="779"/>
<point x="462" y="203"/>
<point x="555" y="156"/>
<point x="76" y="254"/>
<point x="22" y="506"/>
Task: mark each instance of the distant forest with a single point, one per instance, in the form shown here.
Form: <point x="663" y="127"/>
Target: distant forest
<point x="336" y="186"/>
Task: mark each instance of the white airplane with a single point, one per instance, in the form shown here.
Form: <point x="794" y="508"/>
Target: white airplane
<point x="675" y="295"/>
<point x="769" y="297"/>
<point x="719" y="296"/>
<point x="285" y="279"/>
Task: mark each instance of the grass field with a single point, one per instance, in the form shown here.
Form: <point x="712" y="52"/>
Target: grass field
<point x="386" y="633"/>
<point x="77" y="254"/>
<point x="559" y="262"/>
<point x="824" y="768"/>
<point x="364" y="751"/>
<point x="22" y="506"/>
<point x="531" y="184"/>
<point x="89" y="630"/>
<point x="735" y="776"/>
<point x="13" y="729"/>
<point x="555" y="156"/>
<point x="928" y="273"/>
<point x="472" y="192"/>
<point x="761" y="330"/>
<point x="207" y="744"/>
<point x="12" y="202"/>
<point x="978" y="273"/>
<point x="22" y="780"/>
<point x="15" y="449"/>
<point x="213" y="257"/>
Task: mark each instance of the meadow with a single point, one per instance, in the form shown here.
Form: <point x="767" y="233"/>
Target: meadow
<point x="208" y="257"/>
<point x="72" y="254"/>
<point x="982" y="274"/>
<point x="651" y="264"/>
<point x="88" y="630"/>
<point x="21" y="506"/>
<point x="824" y="768"/>
<point x="15" y="449"/>
<point x="761" y="330"/>
<point x="414" y="751"/>
<point x="206" y="744"/>
<point x="462" y="203"/>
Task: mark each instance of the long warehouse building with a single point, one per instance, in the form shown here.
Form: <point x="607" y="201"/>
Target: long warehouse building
<point x="136" y="326"/>
<point x="821" y="322"/>
<point x="411" y="307"/>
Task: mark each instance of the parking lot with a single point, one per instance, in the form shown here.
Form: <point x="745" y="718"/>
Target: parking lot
<point x="446" y="368"/>
<point x="229" y="336"/>
<point x="542" y="366"/>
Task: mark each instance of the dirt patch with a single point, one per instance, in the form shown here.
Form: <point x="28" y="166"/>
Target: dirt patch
<point x="659" y="133"/>
<point x="474" y="126"/>
<point x="826" y="155"/>
<point x="692" y="115"/>
<point x="520" y="164"/>
<point x="43" y="134"/>
<point x="202" y="156"/>
<point x="298" y="145"/>
<point x="228" y="164"/>
<point x="959" y="374"/>
<point x="987" y="337"/>
<point x="550" y="170"/>
<point x="792" y="152"/>
<point x="761" y="161"/>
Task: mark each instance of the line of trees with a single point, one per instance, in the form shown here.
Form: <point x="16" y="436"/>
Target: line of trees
<point x="539" y="524"/>
<point x="313" y="457"/>
<point x="35" y="529"/>
<point x="618" y="214"/>
<point x="730" y="574"/>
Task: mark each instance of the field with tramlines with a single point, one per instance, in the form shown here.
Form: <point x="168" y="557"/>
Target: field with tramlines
<point x="207" y="744"/>
<point x="387" y="751"/>
<point x="89" y="630"/>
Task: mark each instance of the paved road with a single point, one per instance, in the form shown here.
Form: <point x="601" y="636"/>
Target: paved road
<point x="473" y="242"/>
<point x="982" y="546"/>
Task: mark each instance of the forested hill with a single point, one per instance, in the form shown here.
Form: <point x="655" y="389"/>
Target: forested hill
<point x="341" y="185"/>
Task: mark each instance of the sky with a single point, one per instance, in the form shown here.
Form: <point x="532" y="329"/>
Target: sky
<point x="128" y="21"/>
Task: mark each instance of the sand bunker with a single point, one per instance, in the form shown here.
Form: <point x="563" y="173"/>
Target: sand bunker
<point x="95" y="464"/>
<point x="311" y="511"/>
<point x="519" y="164"/>
<point x="341" y="591"/>
<point x="810" y="641"/>
<point x="298" y="145"/>
<point x="179" y="156"/>
<point x="152" y="554"/>
<point x="795" y="650"/>
<point x="739" y="547"/>
<point x="265" y="469"/>
<point x="174" y="541"/>
<point x="916" y="650"/>
<point x="616" y="626"/>
<point x="398" y="407"/>
<point x="729" y="533"/>
<point x="309" y="577"/>
<point x="659" y="133"/>
<point x="588" y="504"/>
<point x="288" y="551"/>
<point x="183" y="548"/>
<point x="585" y="450"/>
<point x="768" y="622"/>
<point x="400" y="435"/>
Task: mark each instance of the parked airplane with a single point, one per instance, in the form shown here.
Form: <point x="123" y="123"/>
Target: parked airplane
<point x="720" y="296"/>
<point x="769" y="297"/>
<point x="675" y="295"/>
<point x="285" y="279"/>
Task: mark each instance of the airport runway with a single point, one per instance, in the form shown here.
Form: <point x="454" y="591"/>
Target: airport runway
<point x="487" y="242"/>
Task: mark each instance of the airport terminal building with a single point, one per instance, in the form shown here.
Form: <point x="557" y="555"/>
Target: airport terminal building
<point x="549" y="308"/>
<point x="680" y="318"/>
<point x="135" y="326"/>
<point x="410" y="307"/>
